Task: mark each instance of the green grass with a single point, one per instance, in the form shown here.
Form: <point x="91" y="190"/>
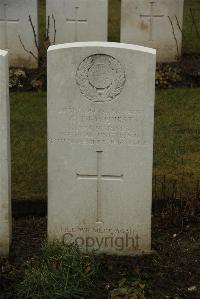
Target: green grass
<point x="60" y="272"/>
<point x="176" y="145"/>
<point x="28" y="141"/>
<point x="176" y="142"/>
<point x="177" y="131"/>
<point x="191" y="43"/>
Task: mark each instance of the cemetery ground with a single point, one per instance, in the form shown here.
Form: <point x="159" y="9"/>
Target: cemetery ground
<point x="173" y="270"/>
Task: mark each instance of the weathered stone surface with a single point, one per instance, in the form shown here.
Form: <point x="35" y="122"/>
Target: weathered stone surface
<point x="15" y="25"/>
<point x="100" y="146"/>
<point x="77" y="20"/>
<point x="5" y="197"/>
<point x="156" y="24"/>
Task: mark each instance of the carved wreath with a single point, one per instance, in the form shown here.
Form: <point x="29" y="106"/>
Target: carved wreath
<point x="117" y="78"/>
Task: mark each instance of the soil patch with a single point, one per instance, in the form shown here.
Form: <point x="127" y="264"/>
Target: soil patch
<point x="173" y="271"/>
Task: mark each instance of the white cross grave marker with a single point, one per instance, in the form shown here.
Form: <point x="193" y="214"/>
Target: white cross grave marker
<point x="5" y="20"/>
<point x="153" y="23"/>
<point x="76" y="20"/>
<point x="14" y="22"/>
<point x="151" y="17"/>
<point x="99" y="177"/>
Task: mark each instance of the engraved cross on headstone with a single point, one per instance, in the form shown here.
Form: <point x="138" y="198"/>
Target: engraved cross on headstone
<point x="151" y="17"/>
<point x="5" y="20"/>
<point x="99" y="177"/>
<point x="76" y="20"/>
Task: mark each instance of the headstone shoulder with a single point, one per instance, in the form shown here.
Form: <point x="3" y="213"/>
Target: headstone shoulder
<point x="103" y="45"/>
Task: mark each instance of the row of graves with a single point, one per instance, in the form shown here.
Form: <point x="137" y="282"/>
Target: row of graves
<point x="150" y="23"/>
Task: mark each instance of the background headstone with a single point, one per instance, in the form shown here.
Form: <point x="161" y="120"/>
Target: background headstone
<point x="77" y="20"/>
<point x="5" y="197"/>
<point x="100" y="147"/>
<point x="15" y="25"/>
<point x="156" y="24"/>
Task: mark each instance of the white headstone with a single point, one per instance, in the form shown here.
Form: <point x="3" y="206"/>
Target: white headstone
<point x="77" y="20"/>
<point x="100" y="147"/>
<point x="5" y="197"/>
<point x="15" y="25"/>
<point x="156" y="24"/>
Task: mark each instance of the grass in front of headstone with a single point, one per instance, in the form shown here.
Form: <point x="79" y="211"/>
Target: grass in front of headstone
<point x="59" y="271"/>
<point x="176" y="144"/>
<point x="171" y="272"/>
<point x="28" y="145"/>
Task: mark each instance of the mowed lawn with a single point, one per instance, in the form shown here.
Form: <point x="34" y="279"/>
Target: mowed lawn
<point x="191" y="40"/>
<point x="176" y="144"/>
<point x="28" y="145"/>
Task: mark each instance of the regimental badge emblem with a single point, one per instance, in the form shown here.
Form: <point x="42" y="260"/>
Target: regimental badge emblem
<point x="100" y="78"/>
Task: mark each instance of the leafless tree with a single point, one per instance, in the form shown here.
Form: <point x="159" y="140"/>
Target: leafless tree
<point x="47" y="41"/>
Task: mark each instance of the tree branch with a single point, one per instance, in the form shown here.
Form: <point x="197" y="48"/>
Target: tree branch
<point x="194" y="23"/>
<point x="34" y="33"/>
<point x="48" y="25"/>
<point x="178" y="24"/>
<point x="54" y="27"/>
<point x="174" y="35"/>
<point x="27" y="51"/>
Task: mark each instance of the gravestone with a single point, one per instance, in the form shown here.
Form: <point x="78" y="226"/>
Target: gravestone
<point x="100" y="146"/>
<point x="5" y="197"/>
<point x="15" y="26"/>
<point x="77" y="20"/>
<point x="154" y="23"/>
